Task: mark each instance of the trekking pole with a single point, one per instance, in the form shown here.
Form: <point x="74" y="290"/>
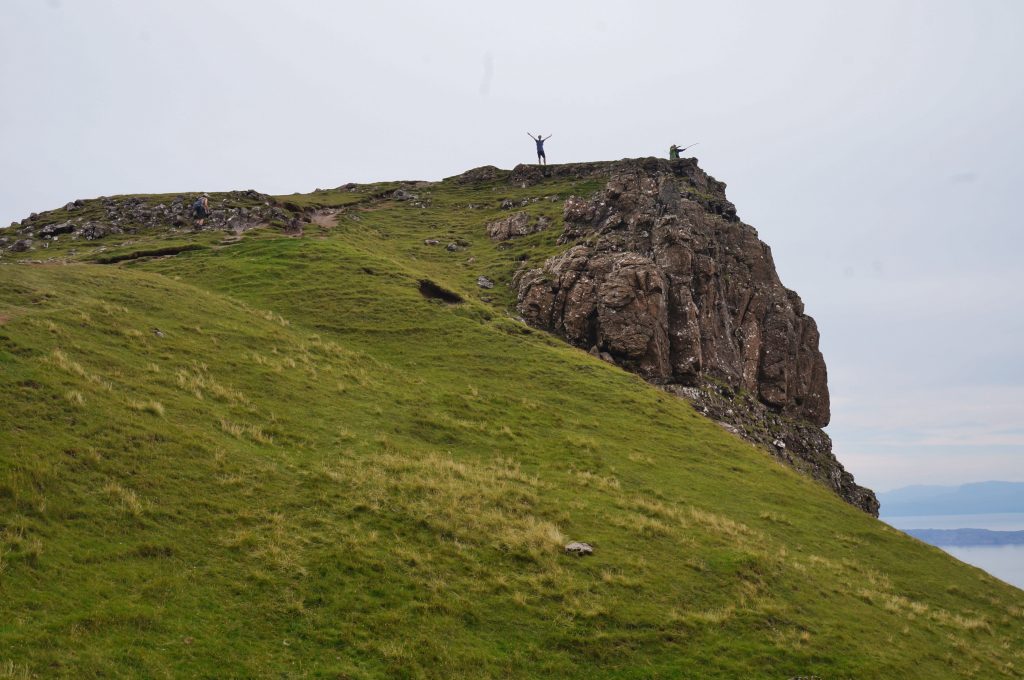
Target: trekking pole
<point x="688" y="147"/>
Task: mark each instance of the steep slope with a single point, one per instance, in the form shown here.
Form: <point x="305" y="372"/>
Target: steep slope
<point x="663" y="279"/>
<point x="288" y="456"/>
<point x="655" y="273"/>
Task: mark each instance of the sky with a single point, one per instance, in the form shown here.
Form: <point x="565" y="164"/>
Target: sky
<point x="875" y="145"/>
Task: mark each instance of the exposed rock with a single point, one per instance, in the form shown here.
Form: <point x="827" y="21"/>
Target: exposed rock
<point x="486" y="173"/>
<point x="525" y="175"/>
<point x="793" y="441"/>
<point x="51" y="230"/>
<point x="21" y="246"/>
<point x="663" y="277"/>
<point x="430" y="242"/>
<point x="95" y="230"/>
<point x="101" y="217"/>
<point x="484" y="282"/>
<point x="516" y="224"/>
<point x="579" y="549"/>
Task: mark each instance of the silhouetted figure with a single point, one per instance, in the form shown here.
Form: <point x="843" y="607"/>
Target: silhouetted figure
<point x="541" y="158"/>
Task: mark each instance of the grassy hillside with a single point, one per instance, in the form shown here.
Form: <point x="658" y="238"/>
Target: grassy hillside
<point x="276" y="456"/>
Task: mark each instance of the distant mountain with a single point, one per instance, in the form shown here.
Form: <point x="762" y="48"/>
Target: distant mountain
<point x="963" y="537"/>
<point x="967" y="499"/>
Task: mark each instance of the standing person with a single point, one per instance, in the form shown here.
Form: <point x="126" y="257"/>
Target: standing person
<point x="201" y="209"/>
<point x="541" y="158"/>
<point x="675" y="150"/>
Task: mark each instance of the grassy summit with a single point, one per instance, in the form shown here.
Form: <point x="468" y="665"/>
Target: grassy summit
<point x="287" y="457"/>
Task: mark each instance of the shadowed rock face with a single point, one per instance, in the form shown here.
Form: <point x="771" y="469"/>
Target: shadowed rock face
<point x="663" y="279"/>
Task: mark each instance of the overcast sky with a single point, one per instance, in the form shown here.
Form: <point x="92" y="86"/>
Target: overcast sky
<point x="876" y="146"/>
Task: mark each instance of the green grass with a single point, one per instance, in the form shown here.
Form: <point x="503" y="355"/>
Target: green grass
<point x="278" y="458"/>
<point x="339" y="197"/>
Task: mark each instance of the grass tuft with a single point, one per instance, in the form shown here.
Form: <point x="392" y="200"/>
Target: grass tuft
<point x="152" y="407"/>
<point x="12" y="671"/>
<point x="246" y="431"/>
<point x="128" y="501"/>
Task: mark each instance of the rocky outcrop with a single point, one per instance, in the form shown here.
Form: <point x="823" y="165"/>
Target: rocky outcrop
<point x="485" y="173"/>
<point x="525" y="175"/>
<point x="661" y="277"/>
<point x="516" y="224"/>
<point x="102" y="217"/>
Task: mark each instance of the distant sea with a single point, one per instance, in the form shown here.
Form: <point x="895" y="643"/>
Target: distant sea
<point x="1005" y="562"/>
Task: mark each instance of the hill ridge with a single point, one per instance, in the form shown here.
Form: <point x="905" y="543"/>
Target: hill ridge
<point x="724" y="332"/>
<point x="274" y="455"/>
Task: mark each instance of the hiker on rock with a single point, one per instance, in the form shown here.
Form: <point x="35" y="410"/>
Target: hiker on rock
<point x="541" y="158"/>
<point x="201" y="209"/>
<point x="675" y="150"/>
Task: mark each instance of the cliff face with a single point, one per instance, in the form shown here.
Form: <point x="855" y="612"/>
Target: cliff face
<point x="664" y="280"/>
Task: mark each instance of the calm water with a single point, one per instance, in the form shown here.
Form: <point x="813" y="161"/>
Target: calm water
<point x="1005" y="562"/>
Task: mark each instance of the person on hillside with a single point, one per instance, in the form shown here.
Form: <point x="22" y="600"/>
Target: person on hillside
<point x="541" y="158"/>
<point x="201" y="209"/>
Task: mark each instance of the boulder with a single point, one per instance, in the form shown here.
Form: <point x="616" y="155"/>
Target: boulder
<point x="579" y="549"/>
<point x="516" y="224"/>
<point x="94" y="230"/>
<point x="52" y="230"/>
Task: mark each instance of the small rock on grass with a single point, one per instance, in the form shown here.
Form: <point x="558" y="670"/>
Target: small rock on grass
<point x="579" y="549"/>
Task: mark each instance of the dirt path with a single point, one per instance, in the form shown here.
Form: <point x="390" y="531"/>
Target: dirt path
<point x="328" y="219"/>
